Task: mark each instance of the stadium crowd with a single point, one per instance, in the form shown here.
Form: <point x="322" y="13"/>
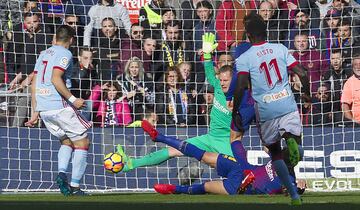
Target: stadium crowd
<point x="153" y="67"/>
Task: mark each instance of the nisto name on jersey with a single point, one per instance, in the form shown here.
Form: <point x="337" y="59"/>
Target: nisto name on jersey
<point x="276" y="96"/>
<point x="264" y="52"/>
<point x="218" y="106"/>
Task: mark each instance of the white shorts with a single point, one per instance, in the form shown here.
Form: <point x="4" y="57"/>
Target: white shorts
<point x="66" y="123"/>
<point x="272" y="130"/>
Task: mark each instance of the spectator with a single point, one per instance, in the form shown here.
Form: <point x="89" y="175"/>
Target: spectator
<point x="23" y="103"/>
<point x="52" y="14"/>
<point x="302" y="23"/>
<point x="329" y="30"/>
<point x="345" y="41"/>
<point x="108" y="48"/>
<point x="189" y="17"/>
<point x="107" y="9"/>
<point x="172" y="50"/>
<point x="73" y="22"/>
<point x="229" y="22"/>
<point x="205" y="108"/>
<point x="351" y="95"/>
<point x="10" y="15"/>
<point x="113" y="109"/>
<point x="80" y="8"/>
<point x="137" y="88"/>
<point x="321" y="106"/>
<point x="206" y="24"/>
<point x="149" y="55"/>
<point x="131" y="47"/>
<point x="224" y="58"/>
<point x="150" y="18"/>
<point x="173" y="104"/>
<point x="335" y="79"/>
<point x="27" y="42"/>
<point x="313" y="61"/>
<point x="187" y="77"/>
<point x="168" y="14"/>
<point x="274" y="26"/>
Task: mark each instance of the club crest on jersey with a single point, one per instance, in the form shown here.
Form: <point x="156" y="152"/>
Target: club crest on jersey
<point x="64" y="62"/>
<point x="268" y="98"/>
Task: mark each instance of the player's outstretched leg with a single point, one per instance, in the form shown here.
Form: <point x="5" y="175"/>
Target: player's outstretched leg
<point x="195" y="189"/>
<point x="283" y="172"/>
<point x="184" y="147"/>
<point x="292" y="144"/>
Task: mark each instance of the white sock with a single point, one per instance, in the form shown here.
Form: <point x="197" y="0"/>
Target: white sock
<point x="64" y="156"/>
<point x="78" y="166"/>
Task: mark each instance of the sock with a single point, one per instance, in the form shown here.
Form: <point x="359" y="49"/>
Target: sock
<point x="154" y="158"/>
<point x="195" y="189"/>
<point x="283" y="173"/>
<point x="240" y="153"/>
<point x="78" y="166"/>
<point x="184" y="147"/>
<point x="64" y="156"/>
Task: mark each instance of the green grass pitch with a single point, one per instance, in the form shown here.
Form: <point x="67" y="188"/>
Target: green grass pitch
<point x="145" y="201"/>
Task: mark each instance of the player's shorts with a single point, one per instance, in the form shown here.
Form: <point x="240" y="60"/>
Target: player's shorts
<point x="66" y="123"/>
<point x="211" y="143"/>
<point x="246" y="111"/>
<point x="227" y="166"/>
<point x="271" y="131"/>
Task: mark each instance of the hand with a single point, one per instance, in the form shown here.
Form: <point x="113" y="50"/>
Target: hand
<point x="105" y="86"/>
<point x="208" y="45"/>
<point x="292" y="6"/>
<point x="131" y="94"/>
<point x="33" y="120"/>
<point x="182" y="125"/>
<point x="79" y="103"/>
<point x="194" y="93"/>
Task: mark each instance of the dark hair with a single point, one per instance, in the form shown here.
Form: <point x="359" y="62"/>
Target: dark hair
<point x="109" y="19"/>
<point x="177" y="70"/>
<point x="302" y="33"/>
<point x="255" y="26"/>
<point x="345" y="22"/>
<point x="64" y="33"/>
<point x="173" y="23"/>
<point x="168" y="9"/>
<point x="71" y="15"/>
<point x="220" y="53"/>
<point x="85" y="49"/>
<point x="32" y="13"/>
<point x="117" y="87"/>
<point x="336" y="50"/>
<point x="207" y="5"/>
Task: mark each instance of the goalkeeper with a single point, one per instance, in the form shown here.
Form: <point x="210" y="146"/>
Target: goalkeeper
<point x="218" y="138"/>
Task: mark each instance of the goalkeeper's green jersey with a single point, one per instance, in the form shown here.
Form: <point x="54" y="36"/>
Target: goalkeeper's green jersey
<point x="220" y="115"/>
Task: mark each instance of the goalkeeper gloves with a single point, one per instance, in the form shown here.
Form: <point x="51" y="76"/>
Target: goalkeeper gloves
<point x="208" y="45"/>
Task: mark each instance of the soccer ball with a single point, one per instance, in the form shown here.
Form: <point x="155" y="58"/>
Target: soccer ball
<point x="113" y="162"/>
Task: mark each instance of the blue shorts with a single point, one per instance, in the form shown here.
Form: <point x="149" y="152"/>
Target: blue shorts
<point x="246" y="111"/>
<point x="227" y="166"/>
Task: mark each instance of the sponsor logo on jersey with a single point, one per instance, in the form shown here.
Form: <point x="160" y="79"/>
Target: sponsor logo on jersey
<point x="268" y="98"/>
<point x="43" y="91"/>
<point x="221" y="108"/>
<point x="64" y="61"/>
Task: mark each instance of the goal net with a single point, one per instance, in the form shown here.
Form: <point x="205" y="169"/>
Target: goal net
<point x="315" y="33"/>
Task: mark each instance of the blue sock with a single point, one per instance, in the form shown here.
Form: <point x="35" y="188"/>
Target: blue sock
<point x="64" y="156"/>
<point x="195" y="189"/>
<point x="184" y="147"/>
<point x="239" y="153"/>
<point x="283" y="173"/>
<point x="78" y="166"/>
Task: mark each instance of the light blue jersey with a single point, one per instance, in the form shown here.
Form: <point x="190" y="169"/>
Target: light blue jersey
<point x="47" y="97"/>
<point x="267" y="65"/>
